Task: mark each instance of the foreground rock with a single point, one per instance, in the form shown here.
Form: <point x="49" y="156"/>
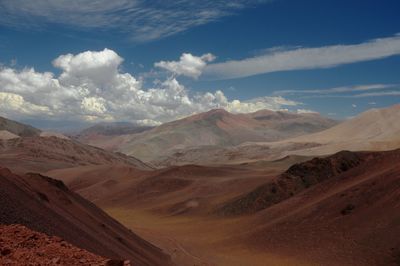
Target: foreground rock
<point x="21" y="246"/>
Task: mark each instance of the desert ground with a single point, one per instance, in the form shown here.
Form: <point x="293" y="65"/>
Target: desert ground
<point x="212" y="215"/>
<point x="297" y="201"/>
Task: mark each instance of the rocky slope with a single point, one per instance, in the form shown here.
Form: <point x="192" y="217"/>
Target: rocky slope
<point x="21" y="246"/>
<point x="48" y="206"/>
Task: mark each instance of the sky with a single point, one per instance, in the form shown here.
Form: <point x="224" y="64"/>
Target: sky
<point x="150" y="62"/>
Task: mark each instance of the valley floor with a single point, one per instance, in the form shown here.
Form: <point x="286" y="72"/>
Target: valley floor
<point x="199" y="241"/>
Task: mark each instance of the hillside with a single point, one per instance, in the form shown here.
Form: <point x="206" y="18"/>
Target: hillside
<point x="48" y="206"/>
<point x="335" y="210"/>
<point x="40" y="154"/>
<point x="18" y="129"/>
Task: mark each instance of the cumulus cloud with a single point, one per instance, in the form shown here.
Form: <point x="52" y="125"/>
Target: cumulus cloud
<point x="305" y="58"/>
<point x="253" y="105"/>
<point x="188" y="65"/>
<point x="92" y="87"/>
<point x="142" y="20"/>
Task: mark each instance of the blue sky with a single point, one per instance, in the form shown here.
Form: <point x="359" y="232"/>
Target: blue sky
<point x="335" y="57"/>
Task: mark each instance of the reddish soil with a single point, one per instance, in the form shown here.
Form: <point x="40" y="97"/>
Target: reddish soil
<point x="41" y="154"/>
<point x="47" y="205"/>
<point x="337" y="210"/>
<point x="298" y="177"/>
<point x="21" y="246"/>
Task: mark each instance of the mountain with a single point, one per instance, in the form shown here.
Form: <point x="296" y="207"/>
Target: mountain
<point x="297" y="178"/>
<point x="37" y="151"/>
<point x="375" y="129"/>
<point x="108" y="135"/>
<point x="113" y="129"/>
<point x="40" y="154"/>
<point x="347" y="202"/>
<point x="215" y="128"/>
<point x="48" y="206"/>
<point x="18" y="129"/>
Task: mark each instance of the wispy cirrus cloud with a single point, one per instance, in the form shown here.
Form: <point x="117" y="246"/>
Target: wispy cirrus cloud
<point x="373" y="94"/>
<point x="305" y="58"/>
<point x="341" y="89"/>
<point x="141" y="20"/>
<point x="357" y="95"/>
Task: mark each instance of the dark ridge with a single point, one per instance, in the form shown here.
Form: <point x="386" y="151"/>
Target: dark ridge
<point x="298" y="177"/>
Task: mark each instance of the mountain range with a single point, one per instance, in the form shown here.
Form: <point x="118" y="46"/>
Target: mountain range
<point x="216" y="128"/>
<point x="215" y="188"/>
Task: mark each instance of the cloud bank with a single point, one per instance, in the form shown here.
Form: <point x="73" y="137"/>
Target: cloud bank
<point x="141" y="20"/>
<point x="305" y="58"/>
<point x="92" y="87"/>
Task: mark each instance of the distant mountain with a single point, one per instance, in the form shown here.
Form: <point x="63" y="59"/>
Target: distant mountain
<point x="36" y="151"/>
<point x="215" y="128"/>
<point x="47" y="205"/>
<point x="113" y="129"/>
<point x="108" y="135"/>
<point x="18" y="129"/>
<point x="375" y="129"/>
<point x="40" y="154"/>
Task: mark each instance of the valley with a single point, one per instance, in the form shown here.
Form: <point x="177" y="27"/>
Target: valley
<point x="293" y="207"/>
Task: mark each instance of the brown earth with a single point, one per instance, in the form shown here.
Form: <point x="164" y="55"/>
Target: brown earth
<point x="375" y="130"/>
<point x="47" y="205"/>
<point x="336" y="210"/>
<point x="41" y="154"/>
<point x="21" y="246"/>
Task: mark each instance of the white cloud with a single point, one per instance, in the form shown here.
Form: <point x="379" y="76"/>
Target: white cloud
<point x="305" y="58"/>
<point x="91" y="86"/>
<point x="342" y="89"/>
<point x="97" y="67"/>
<point x="141" y="20"/>
<point x="271" y="103"/>
<point x="188" y="65"/>
<point x="374" y="94"/>
<point x="306" y="111"/>
<point x="393" y="92"/>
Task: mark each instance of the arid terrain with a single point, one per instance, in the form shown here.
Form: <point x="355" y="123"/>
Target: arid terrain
<point x="199" y="133"/>
<point x="22" y="246"/>
<point x="269" y="203"/>
<point x="216" y="128"/>
<point x="339" y="210"/>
